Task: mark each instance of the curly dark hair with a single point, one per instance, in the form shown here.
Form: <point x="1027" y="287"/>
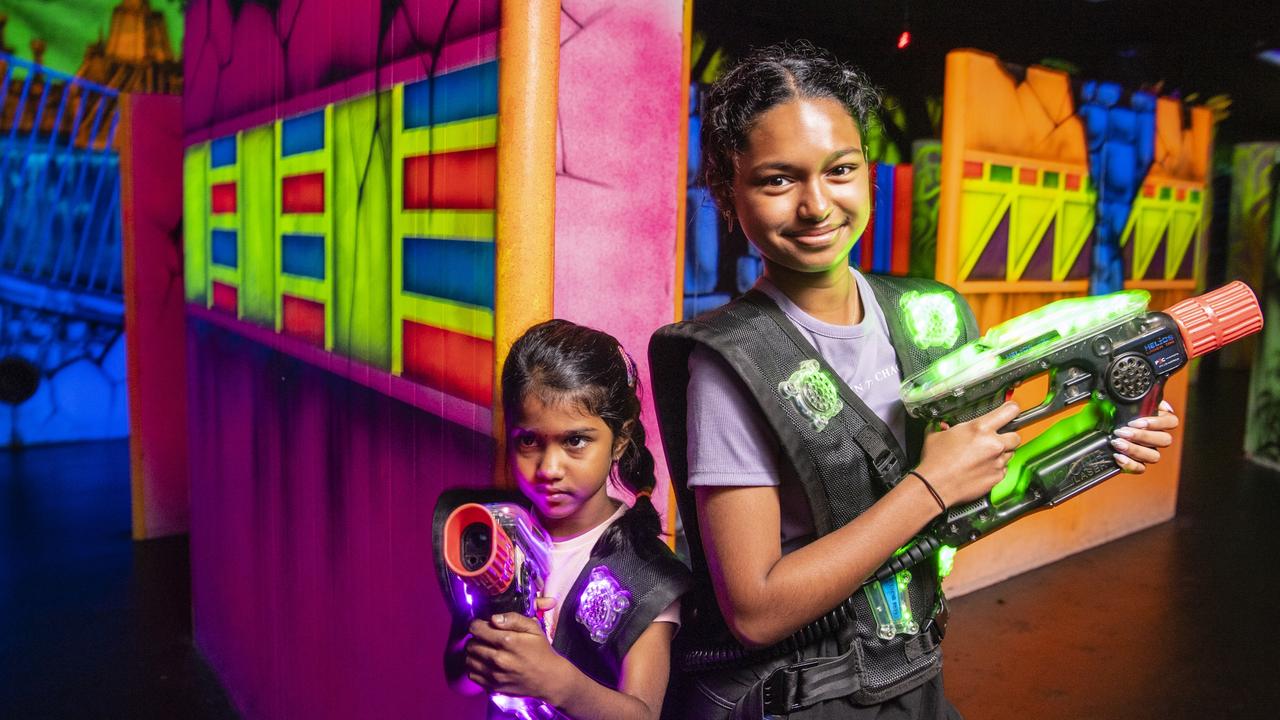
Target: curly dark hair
<point x="561" y="361"/>
<point x="765" y="78"/>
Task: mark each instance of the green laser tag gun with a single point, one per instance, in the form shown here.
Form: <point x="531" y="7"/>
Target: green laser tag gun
<point x="1106" y="351"/>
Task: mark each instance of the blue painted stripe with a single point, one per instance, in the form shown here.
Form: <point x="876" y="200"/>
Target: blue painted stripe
<point x="882" y="249"/>
<point x="466" y="93"/>
<point x="222" y="152"/>
<point x="304" y="133"/>
<point x="460" y="270"/>
<point x="225" y="251"/>
<point x="302" y="255"/>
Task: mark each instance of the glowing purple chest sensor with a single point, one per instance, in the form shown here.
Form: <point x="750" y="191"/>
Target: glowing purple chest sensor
<point x="602" y="603"/>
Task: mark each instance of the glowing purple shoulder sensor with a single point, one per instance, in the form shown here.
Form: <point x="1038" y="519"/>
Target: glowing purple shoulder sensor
<point x="602" y="604"/>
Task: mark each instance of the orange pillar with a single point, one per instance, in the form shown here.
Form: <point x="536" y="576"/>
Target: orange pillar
<point x="528" y="79"/>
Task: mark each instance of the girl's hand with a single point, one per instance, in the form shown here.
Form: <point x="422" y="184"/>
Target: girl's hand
<point x="964" y="461"/>
<point x="1136" y="443"/>
<point x="509" y="654"/>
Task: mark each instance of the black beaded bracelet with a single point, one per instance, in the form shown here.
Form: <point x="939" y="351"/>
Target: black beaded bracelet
<point x="932" y="492"/>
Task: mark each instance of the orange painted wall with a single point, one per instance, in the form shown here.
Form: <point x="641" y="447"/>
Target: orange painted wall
<point x="990" y="116"/>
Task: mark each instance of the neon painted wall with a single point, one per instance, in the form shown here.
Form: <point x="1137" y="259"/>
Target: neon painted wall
<point x="1262" y="431"/>
<point x="361" y="225"/>
<point x="1249" y="216"/>
<point x="1032" y="180"/>
<point x="61" y="307"/>
<point x="339" y="195"/>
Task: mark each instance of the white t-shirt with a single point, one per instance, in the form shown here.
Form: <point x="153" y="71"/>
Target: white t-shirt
<point x="568" y="559"/>
<point x="731" y="443"/>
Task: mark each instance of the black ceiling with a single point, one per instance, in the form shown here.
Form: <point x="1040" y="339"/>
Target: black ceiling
<point x="1189" y="46"/>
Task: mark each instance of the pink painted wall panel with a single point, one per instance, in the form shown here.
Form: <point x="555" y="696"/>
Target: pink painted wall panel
<point x="241" y="58"/>
<point x="316" y="595"/>
<point x="618" y="175"/>
<point x="151" y="211"/>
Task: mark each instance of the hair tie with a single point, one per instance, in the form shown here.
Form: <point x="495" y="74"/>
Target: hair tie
<point x="645" y="494"/>
<point x="629" y="364"/>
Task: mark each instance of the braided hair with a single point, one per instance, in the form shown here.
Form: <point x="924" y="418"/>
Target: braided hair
<point x="560" y="361"/>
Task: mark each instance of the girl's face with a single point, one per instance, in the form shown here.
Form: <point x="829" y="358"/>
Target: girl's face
<point x="800" y="188"/>
<point x="561" y="457"/>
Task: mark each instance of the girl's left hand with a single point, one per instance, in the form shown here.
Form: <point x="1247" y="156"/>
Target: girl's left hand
<point x="509" y="654"/>
<point x="1137" y="443"/>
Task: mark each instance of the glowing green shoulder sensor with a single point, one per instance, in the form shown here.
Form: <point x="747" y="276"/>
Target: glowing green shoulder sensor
<point x="931" y="318"/>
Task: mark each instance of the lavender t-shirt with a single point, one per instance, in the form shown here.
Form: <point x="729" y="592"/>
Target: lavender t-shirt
<point x="731" y="443"/>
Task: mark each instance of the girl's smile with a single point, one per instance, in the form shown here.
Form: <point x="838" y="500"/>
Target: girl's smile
<point x="561" y="457"/>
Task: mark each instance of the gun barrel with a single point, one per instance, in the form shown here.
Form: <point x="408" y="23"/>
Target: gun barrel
<point x="476" y="547"/>
<point x="1217" y="318"/>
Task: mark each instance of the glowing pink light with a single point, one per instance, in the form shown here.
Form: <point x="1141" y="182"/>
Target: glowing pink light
<point x="904" y="39"/>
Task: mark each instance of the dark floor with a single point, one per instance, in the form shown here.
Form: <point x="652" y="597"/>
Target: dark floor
<point x="1179" y="621"/>
<point x="92" y="625"/>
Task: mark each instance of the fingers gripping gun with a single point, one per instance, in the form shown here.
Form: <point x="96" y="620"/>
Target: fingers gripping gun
<point x="495" y="560"/>
<point x="1107" y="351"/>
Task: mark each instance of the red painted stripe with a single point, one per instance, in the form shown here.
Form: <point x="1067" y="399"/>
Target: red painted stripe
<point x="900" y="260"/>
<point x="972" y="169"/>
<point x="1027" y="176"/>
<point x="302" y="193"/>
<point x="1073" y="181"/>
<point x="1181" y="194"/>
<point x="225" y="297"/>
<point x="303" y="319"/>
<point x="459" y="365"/>
<point x="862" y="252"/>
<point x="223" y="197"/>
<point x="462" y="180"/>
<point x="1148" y="191"/>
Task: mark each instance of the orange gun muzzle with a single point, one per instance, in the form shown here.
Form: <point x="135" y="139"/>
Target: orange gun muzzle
<point x="476" y="548"/>
<point x="1216" y="318"/>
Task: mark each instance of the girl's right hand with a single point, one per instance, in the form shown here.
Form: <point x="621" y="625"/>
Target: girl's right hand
<point x="964" y="461"/>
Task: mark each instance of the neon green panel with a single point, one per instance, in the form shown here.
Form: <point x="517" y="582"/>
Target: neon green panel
<point x="1076" y="222"/>
<point x="1182" y="231"/>
<point x="195" y="224"/>
<point x="362" y="225"/>
<point x="932" y="318"/>
<point x="1032" y="214"/>
<point x="1148" y="233"/>
<point x="257" y="225"/>
<point x="980" y="212"/>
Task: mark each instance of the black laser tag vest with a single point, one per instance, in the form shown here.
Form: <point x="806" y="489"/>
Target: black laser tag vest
<point x="649" y="581"/>
<point x="844" y="466"/>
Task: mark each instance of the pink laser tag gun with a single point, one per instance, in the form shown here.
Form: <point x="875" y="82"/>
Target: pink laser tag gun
<point x="496" y="560"/>
<point x="1107" y="351"/>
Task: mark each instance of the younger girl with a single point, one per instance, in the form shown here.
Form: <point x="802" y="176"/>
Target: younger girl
<point x="797" y="471"/>
<point x="572" y="411"/>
